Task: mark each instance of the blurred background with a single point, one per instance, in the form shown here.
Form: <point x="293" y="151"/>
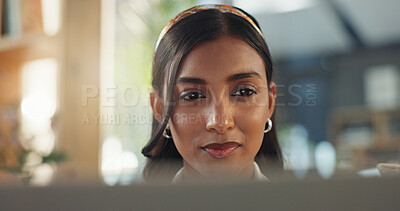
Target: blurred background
<point x="75" y="77"/>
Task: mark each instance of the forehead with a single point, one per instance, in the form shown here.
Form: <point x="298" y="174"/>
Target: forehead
<point x="218" y="59"/>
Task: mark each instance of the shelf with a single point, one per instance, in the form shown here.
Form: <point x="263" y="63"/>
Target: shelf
<point x="12" y="43"/>
<point x="382" y="144"/>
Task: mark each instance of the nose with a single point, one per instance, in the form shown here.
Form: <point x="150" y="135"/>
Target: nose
<point x="220" y="117"/>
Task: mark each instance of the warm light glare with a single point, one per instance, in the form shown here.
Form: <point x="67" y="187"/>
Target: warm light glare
<point x="111" y="151"/>
<point x="51" y="16"/>
<point x="117" y="165"/>
<point x="32" y="159"/>
<point x="129" y="164"/>
<point x="39" y="95"/>
<point x="325" y="159"/>
<point x="110" y="165"/>
<point x="42" y="175"/>
<point x="38" y="107"/>
<point x="44" y="143"/>
<point x="129" y="161"/>
<point x="299" y="154"/>
<point x="39" y="104"/>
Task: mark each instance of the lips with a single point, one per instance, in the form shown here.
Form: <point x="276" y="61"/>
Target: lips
<point x="220" y="151"/>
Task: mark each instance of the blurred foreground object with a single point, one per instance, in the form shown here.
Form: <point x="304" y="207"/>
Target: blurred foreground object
<point x="349" y="194"/>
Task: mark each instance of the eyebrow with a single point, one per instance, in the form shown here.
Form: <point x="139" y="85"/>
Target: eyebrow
<point x="190" y="80"/>
<point x="229" y="79"/>
<point x="242" y="75"/>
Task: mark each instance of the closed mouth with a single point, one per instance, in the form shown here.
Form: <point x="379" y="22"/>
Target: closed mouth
<point x="220" y="151"/>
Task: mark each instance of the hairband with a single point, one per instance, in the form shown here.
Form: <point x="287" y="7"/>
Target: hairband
<point x="195" y="9"/>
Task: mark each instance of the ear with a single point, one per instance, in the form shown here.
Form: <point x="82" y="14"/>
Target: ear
<point x="271" y="98"/>
<point x="156" y="105"/>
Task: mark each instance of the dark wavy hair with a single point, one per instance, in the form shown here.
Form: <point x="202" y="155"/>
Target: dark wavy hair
<point x="164" y="159"/>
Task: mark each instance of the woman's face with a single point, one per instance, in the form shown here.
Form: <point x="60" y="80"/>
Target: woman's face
<point x="222" y="106"/>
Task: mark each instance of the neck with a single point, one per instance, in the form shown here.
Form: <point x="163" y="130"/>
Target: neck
<point x="191" y="174"/>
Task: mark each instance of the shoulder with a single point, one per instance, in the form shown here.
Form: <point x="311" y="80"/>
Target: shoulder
<point x="258" y="175"/>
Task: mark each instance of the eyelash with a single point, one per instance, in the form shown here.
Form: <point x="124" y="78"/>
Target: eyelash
<point x="241" y="90"/>
<point x="184" y="96"/>
<point x="239" y="93"/>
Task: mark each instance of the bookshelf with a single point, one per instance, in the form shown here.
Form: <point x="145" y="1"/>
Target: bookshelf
<point x="22" y="39"/>
<point x="18" y="45"/>
<point x="75" y="47"/>
<point x="365" y="137"/>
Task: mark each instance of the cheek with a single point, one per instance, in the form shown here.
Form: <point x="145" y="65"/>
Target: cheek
<point x="185" y="121"/>
<point x="254" y="112"/>
<point x="252" y="124"/>
<point x="185" y="127"/>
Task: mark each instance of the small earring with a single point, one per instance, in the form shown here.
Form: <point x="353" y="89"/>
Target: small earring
<point x="165" y="133"/>
<point x="269" y="126"/>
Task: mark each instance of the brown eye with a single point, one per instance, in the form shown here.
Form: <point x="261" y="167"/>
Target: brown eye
<point x="191" y="96"/>
<point x="244" y="92"/>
